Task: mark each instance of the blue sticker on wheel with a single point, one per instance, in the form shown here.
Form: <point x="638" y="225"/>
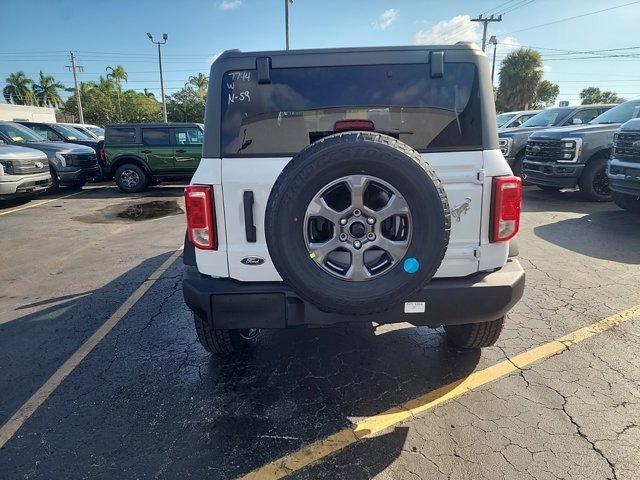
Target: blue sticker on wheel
<point x="411" y="265"/>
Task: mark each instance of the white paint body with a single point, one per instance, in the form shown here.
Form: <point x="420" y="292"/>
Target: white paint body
<point x="467" y="178"/>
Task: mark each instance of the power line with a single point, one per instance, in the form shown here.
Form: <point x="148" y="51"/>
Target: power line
<point x="516" y="7"/>
<point x="572" y="18"/>
<point x="495" y="9"/>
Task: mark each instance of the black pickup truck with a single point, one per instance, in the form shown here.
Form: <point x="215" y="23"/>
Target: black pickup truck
<point x="568" y="157"/>
<point x="624" y="166"/>
<point x="514" y="140"/>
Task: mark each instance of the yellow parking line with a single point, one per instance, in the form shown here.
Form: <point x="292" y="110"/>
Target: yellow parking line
<point x="37" y="204"/>
<point x="369" y="426"/>
<point x="37" y="399"/>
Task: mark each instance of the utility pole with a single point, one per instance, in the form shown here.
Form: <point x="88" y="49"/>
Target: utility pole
<point x="493" y="41"/>
<point x="73" y="67"/>
<point x="164" y="100"/>
<point x="486" y="22"/>
<point x="286" y="22"/>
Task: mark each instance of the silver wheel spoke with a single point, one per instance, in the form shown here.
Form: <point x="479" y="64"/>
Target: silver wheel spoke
<point x="395" y="248"/>
<point x="395" y="206"/>
<point x="319" y="208"/>
<point x="357" y="270"/>
<point x="358" y="228"/>
<point x="321" y="250"/>
<point x="357" y="185"/>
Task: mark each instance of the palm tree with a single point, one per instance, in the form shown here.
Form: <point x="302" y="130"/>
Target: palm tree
<point x="201" y="82"/>
<point x="520" y="76"/>
<point x="18" y="89"/>
<point x="117" y="74"/>
<point x="46" y="91"/>
<point x="105" y="85"/>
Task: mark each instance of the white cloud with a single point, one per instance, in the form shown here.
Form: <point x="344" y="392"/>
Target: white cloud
<point x="229" y="4"/>
<point x="459" y="28"/>
<point x="387" y="18"/>
<point x="509" y="43"/>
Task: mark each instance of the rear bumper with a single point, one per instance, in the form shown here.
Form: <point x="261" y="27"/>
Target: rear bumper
<point x="552" y="174"/>
<point x="230" y="304"/>
<point x="624" y="177"/>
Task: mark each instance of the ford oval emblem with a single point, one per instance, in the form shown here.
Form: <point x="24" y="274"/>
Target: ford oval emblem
<point x="252" y="260"/>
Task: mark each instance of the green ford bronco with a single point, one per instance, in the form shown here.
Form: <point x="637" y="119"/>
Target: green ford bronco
<point x="140" y="154"/>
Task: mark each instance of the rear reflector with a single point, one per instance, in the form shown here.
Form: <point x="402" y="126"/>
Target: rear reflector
<point x="200" y="218"/>
<point x="507" y="197"/>
<point x="344" y="125"/>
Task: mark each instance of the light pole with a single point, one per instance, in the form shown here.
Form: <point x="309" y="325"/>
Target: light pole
<point x="286" y="22"/>
<point x="164" y="100"/>
<point x="494" y="41"/>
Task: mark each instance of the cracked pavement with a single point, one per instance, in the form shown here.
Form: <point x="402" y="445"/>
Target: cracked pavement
<point x="148" y="402"/>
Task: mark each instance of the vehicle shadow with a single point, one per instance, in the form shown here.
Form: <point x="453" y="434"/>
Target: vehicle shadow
<point x="8" y="204"/>
<point x="150" y="402"/>
<point x="34" y="345"/>
<point x="309" y="384"/>
<point x="607" y="235"/>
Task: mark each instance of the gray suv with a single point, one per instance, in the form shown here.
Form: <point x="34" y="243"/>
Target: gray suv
<point x="514" y="140"/>
<point x="71" y="165"/>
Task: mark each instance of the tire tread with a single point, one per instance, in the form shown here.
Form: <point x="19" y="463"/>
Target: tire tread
<point x="475" y="335"/>
<point x="214" y="340"/>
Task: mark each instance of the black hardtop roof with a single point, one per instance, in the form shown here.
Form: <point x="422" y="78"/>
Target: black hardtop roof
<point x="435" y="56"/>
<point x="154" y="124"/>
<point x="460" y="46"/>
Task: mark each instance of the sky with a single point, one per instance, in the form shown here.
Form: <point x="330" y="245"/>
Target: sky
<point x="111" y="32"/>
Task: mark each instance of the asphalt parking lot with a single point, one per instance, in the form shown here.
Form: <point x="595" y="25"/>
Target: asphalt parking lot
<point x="147" y="402"/>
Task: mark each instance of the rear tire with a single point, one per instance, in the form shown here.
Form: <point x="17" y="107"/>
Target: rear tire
<point x="130" y="178"/>
<point x="630" y="203"/>
<point x="594" y="183"/>
<point x="474" y="335"/>
<point x="223" y="342"/>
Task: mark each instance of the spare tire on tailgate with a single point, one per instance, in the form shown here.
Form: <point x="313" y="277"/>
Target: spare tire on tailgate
<point x="357" y="222"/>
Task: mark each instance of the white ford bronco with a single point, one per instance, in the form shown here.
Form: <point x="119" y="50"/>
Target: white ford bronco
<point x="346" y="185"/>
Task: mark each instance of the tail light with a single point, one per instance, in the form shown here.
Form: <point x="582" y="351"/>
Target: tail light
<point x="102" y="155"/>
<point x="345" y="125"/>
<point x="507" y="197"/>
<point x="200" y="217"/>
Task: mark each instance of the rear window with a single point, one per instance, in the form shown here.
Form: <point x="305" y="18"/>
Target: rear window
<point x="301" y="105"/>
<point x="121" y="135"/>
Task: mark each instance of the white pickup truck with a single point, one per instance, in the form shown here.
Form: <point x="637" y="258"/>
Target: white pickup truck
<point x="22" y="171"/>
<point x="346" y="185"/>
